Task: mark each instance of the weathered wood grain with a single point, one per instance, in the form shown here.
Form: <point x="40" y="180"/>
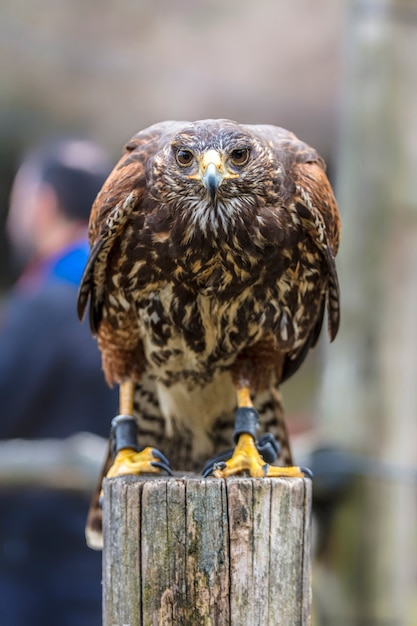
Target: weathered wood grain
<point x="191" y="551"/>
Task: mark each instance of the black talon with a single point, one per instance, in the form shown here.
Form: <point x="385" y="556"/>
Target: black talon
<point x="163" y="466"/>
<point x="209" y="466"/>
<point x="308" y="473"/>
<point x="268" y="447"/>
<point x="207" y="469"/>
<point x="213" y="465"/>
<point x="161" y="456"/>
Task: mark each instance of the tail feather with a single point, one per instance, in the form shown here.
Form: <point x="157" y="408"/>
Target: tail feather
<point x="94" y="524"/>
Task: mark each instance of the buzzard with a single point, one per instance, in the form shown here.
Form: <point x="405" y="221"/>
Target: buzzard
<point x="211" y="267"/>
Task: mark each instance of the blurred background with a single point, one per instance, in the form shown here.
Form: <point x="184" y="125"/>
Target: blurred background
<point x="343" y="76"/>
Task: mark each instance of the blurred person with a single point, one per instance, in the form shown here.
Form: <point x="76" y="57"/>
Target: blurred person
<point x="51" y="386"/>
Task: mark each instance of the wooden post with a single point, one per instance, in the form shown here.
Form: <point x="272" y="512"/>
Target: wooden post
<point x="192" y="551"/>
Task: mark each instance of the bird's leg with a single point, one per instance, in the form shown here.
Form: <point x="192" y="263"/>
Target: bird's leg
<point x="127" y="456"/>
<point x="246" y="456"/>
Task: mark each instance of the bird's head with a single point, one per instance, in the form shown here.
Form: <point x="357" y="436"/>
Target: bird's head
<point x="213" y="172"/>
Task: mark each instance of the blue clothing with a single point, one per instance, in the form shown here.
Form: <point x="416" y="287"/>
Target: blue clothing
<point x="69" y="265"/>
<point x="51" y="386"/>
<point x="51" y="383"/>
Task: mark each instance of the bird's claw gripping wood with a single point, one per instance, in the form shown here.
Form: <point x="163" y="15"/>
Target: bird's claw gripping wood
<point x="128" y="458"/>
<point x="267" y="446"/>
<point x="147" y="461"/>
<point x="246" y="458"/>
<point x="247" y="454"/>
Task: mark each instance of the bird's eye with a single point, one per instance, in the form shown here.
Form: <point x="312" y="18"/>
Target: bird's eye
<point x="240" y="156"/>
<point x="184" y="157"/>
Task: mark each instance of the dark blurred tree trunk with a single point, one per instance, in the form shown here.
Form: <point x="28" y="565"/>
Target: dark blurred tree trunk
<point x="369" y="395"/>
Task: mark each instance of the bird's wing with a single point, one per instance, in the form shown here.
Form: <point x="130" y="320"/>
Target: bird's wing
<point x="317" y="209"/>
<point x="121" y="195"/>
<point x="309" y="191"/>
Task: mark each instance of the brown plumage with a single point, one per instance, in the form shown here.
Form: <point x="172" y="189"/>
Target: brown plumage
<point x="211" y="265"/>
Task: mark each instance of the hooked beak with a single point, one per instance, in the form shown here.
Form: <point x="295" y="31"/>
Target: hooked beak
<point x="212" y="179"/>
<point x="212" y="172"/>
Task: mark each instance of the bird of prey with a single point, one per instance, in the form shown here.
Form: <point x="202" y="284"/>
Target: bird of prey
<point x="210" y="271"/>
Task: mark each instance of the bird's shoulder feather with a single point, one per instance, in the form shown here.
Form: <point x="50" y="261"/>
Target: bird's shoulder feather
<point x="121" y="195"/>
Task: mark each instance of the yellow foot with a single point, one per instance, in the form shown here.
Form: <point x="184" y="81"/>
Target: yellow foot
<point x="148" y="461"/>
<point x="246" y="458"/>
